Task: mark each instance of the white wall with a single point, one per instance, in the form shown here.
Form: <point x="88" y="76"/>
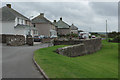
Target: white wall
<point x="20" y="21"/>
<point x="8" y="27"/>
<point x="15" y="21"/>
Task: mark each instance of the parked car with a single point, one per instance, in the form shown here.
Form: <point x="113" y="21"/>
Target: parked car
<point x="37" y="39"/>
<point x="53" y="36"/>
<point x="93" y="36"/>
<point x="84" y="35"/>
<point x="42" y="36"/>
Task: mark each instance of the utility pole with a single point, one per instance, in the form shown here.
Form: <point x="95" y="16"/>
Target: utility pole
<point x="106" y="32"/>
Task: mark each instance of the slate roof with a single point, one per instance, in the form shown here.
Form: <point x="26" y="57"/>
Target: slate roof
<point x="9" y="14"/>
<point x="25" y="26"/>
<point x="73" y="27"/>
<point x="40" y="19"/>
<point x="55" y="24"/>
<point x="61" y="24"/>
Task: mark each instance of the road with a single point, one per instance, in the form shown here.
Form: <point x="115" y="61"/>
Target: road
<point x="17" y="62"/>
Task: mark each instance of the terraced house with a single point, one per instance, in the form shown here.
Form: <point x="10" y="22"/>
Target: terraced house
<point x="62" y="27"/>
<point x="14" y="23"/>
<point x="44" y="26"/>
<point x="74" y="29"/>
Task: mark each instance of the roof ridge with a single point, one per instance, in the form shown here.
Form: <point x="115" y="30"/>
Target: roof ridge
<point x="39" y="17"/>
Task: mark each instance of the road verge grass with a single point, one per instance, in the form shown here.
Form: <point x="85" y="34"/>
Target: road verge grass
<point x="101" y="64"/>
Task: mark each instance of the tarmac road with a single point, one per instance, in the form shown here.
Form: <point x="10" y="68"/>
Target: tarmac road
<point x="17" y="62"/>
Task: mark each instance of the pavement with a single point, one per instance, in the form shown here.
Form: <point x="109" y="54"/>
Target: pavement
<point x="17" y="61"/>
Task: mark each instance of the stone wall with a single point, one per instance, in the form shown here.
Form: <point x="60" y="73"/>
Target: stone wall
<point x="46" y="40"/>
<point x="29" y="40"/>
<point x="3" y="37"/>
<point x="86" y="47"/>
<point x="15" y="40"/>
<point x="66" y="42"/>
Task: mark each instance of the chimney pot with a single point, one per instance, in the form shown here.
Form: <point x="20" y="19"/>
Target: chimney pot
<point x="61" y="18"/>
<point x="54" y="20"/>
<point x="8" y="5"/>
<point x="42" y="14"/>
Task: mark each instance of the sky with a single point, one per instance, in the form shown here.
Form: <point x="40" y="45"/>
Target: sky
<point x="87" y="16"/>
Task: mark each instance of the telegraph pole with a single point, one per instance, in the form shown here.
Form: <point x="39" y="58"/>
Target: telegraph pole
<point x="106" y="32"/>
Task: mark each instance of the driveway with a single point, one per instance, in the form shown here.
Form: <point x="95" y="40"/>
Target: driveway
<point x="17" y="62"/>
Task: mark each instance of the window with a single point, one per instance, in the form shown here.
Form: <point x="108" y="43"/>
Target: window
<point x="25" y="22"/>
<point x="34" y="25"/>
<point x="17" y="20"/>
<point x="35" y="32"/>
<point x="21" y="21"/>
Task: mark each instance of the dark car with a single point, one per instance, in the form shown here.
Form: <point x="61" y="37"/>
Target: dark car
<point x="37" y="39"/>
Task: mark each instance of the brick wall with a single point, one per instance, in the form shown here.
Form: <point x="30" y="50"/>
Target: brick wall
<point x="86" y="47"/>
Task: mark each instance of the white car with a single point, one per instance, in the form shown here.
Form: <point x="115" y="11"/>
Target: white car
<point x="93" y="36"/>
<point x="41" y="36"/>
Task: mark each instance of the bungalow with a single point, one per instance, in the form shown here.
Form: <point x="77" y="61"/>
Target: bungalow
<point x="44" y="26"/>
<point x="14" y="23"/>
<point x="74" y="29"/>
<point x="62" y="27"/>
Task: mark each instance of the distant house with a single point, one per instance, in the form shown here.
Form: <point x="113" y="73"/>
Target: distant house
<point x="74" y="29"/>
<point x="62" y="27"/>
<point x="15" y="23"/>
<point x="44" y="26"/>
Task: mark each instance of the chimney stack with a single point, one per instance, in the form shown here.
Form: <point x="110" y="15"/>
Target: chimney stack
<point x="61" y="18"/>
<point x="8" y="5"/>
<point x="54" y="20"/>
<point x="42" y="14"/>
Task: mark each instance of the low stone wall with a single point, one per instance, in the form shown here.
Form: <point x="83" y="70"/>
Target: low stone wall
<point x="46" y="40"/>
<point x="3" y="37"/>
<point x="66" y="42"/>
<point x="29" y="40"/>
<point x="86" y="47"/>
<point x="15" y="40"/>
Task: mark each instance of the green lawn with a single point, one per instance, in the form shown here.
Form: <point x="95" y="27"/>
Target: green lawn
<point x="102" y="64"/>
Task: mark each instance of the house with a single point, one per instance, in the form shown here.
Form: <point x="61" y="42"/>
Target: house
<point x="44" y="26"/>
<point x="62" y="27"/>
<point x="73" y="29"/>
<point x="14" y="23"/>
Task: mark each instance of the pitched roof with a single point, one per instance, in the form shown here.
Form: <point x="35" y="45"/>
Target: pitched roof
<point x="9" y="14"/>
<point x="55" y="24"/>
<point x="40" y="19"/>
<point x="62" y="24"/>
<point x="73" y="27"/>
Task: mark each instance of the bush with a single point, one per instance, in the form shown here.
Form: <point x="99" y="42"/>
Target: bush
<point x="116" y="39"/>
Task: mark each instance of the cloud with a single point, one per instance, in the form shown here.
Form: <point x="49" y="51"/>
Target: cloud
<point x="84" y="15"/>
<point x="105" y="8"/>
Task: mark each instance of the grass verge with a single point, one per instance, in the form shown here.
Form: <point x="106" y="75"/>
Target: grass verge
<point x="102" y="64"/>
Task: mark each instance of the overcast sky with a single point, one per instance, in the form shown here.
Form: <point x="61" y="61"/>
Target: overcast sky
<point x="88" y="16"/>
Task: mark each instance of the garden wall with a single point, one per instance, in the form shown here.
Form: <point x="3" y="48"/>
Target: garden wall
<point x="4" y="36"/>
<point x="85" y="47"/>
<point x="66" y="42"/>
<point x="9" y="39"/>
<point x="15" y="40"/>
<point x="46" y="40"/>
